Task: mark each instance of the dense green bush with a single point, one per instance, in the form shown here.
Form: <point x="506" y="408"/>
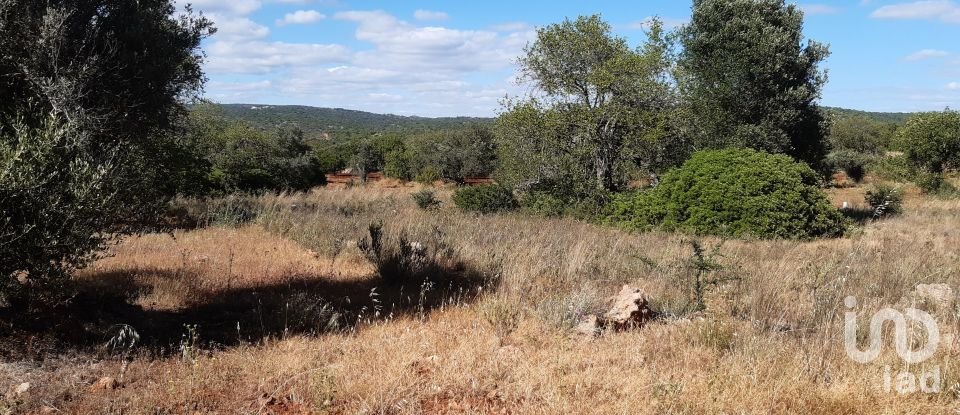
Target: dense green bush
<point x="426" y="200"/>
<point x="895" y="168"/>
<point x="93" y="95"/>
<point x="734" y="192"/>
<point x="884" y="200"/>
<point x="932" y="140"/>
<point x="851" y="162"/>
<point x="484" y="199"/>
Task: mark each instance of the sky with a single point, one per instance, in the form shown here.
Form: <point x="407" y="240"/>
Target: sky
<point x="445" y="58"/>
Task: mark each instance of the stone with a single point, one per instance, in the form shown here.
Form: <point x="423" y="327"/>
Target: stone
<point x="22" y="389"/>
<point x="105" y="383"/>
<point x="630" y="310"/>
<point x="589" y="326"/>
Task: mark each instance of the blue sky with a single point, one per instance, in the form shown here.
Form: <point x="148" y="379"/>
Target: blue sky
<point x="443" y="58"/>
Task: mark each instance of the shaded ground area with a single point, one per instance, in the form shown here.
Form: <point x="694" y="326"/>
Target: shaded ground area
<point x="106" y="306"/>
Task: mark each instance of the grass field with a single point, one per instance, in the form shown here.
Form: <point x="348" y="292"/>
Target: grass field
<point x="284" y="314"/>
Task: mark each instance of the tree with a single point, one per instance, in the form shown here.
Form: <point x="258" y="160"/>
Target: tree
<point x="749" y="79"/>
<point x="931" y="140"/>
<point x="94" y="92"/>
<point x="597" y="102"/>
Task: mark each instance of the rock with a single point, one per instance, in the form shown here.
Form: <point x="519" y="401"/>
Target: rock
<point x="590" y="326"/>
<point x="105" y="383"/>
<point x="939" y="294"/>
<point x="630" y="310"/>
<point x="21" y="389"/>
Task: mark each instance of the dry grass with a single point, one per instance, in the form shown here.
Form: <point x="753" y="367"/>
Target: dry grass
<point x="768" y="343"/>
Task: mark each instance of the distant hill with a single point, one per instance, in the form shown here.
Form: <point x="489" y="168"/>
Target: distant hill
<point x="891" y="117"/>
<point x="329" y="123"/>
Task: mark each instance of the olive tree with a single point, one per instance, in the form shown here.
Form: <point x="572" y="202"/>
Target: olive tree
<point x="596" y="102"/>
<point x="94" y="91"/>
<point x="750" y="79"/>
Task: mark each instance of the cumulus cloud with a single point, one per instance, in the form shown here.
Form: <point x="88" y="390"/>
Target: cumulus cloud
<point x="232" y="7"/>
<point x="944" y="10"/>
<point x="263" y="57"/>
<point x="954" y="86"/>
<point x="430" y="15"/>
<point x="924" y="54"/>
<point x="301" y="17"/>
<point x="815" y="9"/>
<point x="237" y="29"/>
<point x="399" y="44"/>
<point x="398" y="67"/>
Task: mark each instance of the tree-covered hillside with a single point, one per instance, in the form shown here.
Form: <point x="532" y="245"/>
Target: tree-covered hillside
<point x="886" y="117"/>
<point x="328" y="123"/>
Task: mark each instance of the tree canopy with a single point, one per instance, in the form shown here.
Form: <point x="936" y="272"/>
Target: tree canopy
<point x="749" y="78"/>
<point x="596" y="103"/>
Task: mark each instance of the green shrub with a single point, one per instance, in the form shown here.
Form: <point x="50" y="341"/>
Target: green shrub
<point x="544" y="204"/>
<point x="734" y="192"/>
<point x="934" y="184"/>
<point x="852" y="163"/>
<point x="426" y="200"/>
<point x="428" y="175"/>
<point x="894" y="168"/>
<point x="484" y="199"/>
<point x="884" y="200"/>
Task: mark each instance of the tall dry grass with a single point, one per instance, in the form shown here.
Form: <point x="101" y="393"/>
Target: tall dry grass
<point x="768" y="342"/>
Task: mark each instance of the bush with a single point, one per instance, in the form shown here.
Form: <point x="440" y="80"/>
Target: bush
<point x="932" y="140"/>
<point x="852" y="163"/>
<point x="734" y="192"/>
<point x="884" y="200"/>
<point x="428" y="175"/>
<point x="484" y="199"/>
<point x="934" y="184"/>
<point x="894" y="168"/>
<point x="426" y="200"/>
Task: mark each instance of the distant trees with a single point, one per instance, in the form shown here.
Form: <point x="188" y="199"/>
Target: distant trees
<point x="749" y="79"/>
<point x="235" y="156"/>
<point x="931" y="142"/>
<point x="598" y="103"/>
<point x="93" y="94"/>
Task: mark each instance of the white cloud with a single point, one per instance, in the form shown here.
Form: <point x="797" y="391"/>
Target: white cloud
<point x="301" y="17"/>
<point x="430" y="15"/>
<point x="954" y="86"/>
<point x="398" y="44"/>
<point x="815" y="9"/>
<point x="668" y="23"/>
<point x="263" y="57"/>
<point x="399" y="67"/>
<point x="944" y="10"/>
<point x="233" y="7"/>
<point x="237" y="29"/>
<point x="926" y="54"/>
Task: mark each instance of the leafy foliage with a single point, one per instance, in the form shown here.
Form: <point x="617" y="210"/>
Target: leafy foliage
<point x="884" y="200"/>
<point x="854" y="164"/>
<point x="239" y="157"/>
<point x="931" y="140"/>
<point x="426" y="200"/>
<point x="750" y="80"/>
<point x="734" y="192"/>
<point x="600" y="108"/>
<point x="342" y="124"/>
<point x="93" y="95"/>
<point x="484" y="199"/>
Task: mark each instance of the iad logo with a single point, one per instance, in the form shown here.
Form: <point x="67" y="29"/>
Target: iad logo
<point x="903" y="382"/>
